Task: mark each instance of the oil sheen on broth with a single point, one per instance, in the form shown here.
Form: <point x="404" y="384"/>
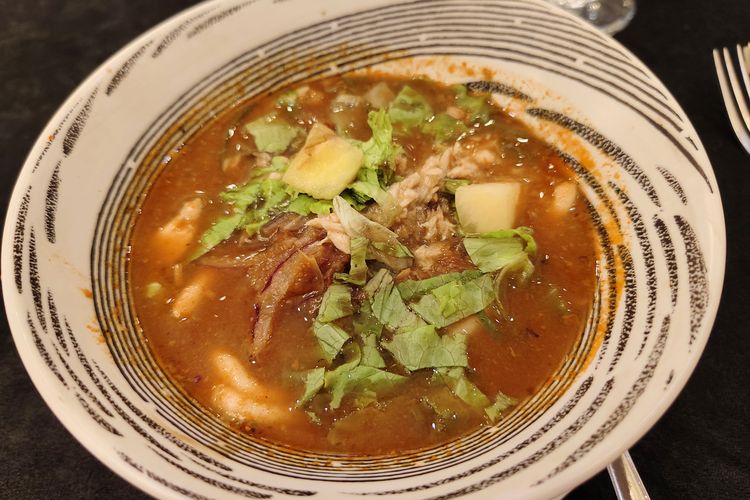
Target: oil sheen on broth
<point x="363" y="265"/>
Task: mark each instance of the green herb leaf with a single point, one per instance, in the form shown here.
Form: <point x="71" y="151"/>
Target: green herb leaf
<point x="502" y="403"/>
<point x="445" y="128"/>
<point x="476" y="106"/>
<point x="336" y="303"/>
<point x="411" y="289"/>
<point x="272" y="135"/>
<point x="424" y="348"/>
<point x="388" y="306"/>
<point x="409" y="108"/>
<point x="456" y="300"/>
<point x="462" y="387"/>
<point x="331" y="338"/>
<point x="314" y="380"/>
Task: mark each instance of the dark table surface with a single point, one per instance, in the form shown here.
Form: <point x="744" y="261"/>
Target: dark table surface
<point x="699" y="449"/>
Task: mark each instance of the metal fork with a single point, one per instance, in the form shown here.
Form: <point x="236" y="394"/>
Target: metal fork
<point x="734" y="92"/>
<point x="626" y="480"/>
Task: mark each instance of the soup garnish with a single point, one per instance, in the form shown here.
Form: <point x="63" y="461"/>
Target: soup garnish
<point x="363" y="264"/>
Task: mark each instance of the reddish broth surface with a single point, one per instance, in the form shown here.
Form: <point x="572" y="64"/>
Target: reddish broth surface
<point x="517" y="360"/>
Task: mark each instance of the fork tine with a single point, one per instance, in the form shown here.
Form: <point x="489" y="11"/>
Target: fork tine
<point x="737" y="87"/>
<point x="743" y="56"/>
<point x="729" y="102"/>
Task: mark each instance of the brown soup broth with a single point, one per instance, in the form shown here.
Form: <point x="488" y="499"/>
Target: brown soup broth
<point x="515" y="353"/>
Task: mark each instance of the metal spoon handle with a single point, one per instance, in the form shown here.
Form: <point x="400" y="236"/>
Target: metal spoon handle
<point x="626" y="480"/>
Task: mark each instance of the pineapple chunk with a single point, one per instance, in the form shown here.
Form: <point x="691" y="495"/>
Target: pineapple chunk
<point x="325" y="165"/>
<point x="487" y="207"/>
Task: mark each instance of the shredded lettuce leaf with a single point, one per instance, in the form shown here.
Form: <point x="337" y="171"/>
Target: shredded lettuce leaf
<point x="353" y="377"/>
<point x="384" y="245"/>
<point x="313" y="380"/>
<point x="331" y="338"/>
<point x="502" y="403"/>
<point x="455" y="300"/>
<point x="450" y="185"/>
<point x="289" y="99"/>
<point x="357" y="262"/>
<point x="462" y="387"/>
<point x="272" y="135"/>
<point x="411" y="289"/>
<point x="424" y="348"/>
<point x="365" y="323"/>
<point x="380" y="149"/>
<point x="388" y="306"/>
<point x="305" y="205"/>
<point x="219" y="231"/>
<point x="370" y="354"/>
<point x="493" y="251"/>
<point x="336" y="303"/>
<point x="445" y="128"/>
<point x="476" y="106"/>
<point x="253" y="204"/>
<point x="508" y="251"/>
<point x="409" y="108"/>
<point x="342" y="382"/>
<point x="153" y="289"/>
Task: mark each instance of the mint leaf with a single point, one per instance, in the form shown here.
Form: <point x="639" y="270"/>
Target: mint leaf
<point x="456" y="300"/>
<point x="424" y="348"/>
<point x="388" y="306"/>
<point x="502" y="403"/>
<point x="272" y="135"/>
<point x="331" y="338"/>
<point x="313" y="383"/>
<point x="462" y="387"/>
<point x="409" y="108"/>
<point x="336" y="303"/>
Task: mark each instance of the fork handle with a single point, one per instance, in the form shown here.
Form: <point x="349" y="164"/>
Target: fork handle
<point x="626" y="480"/>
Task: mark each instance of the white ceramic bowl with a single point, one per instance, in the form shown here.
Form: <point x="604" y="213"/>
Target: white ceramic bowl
<point x="642" y="166"/>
